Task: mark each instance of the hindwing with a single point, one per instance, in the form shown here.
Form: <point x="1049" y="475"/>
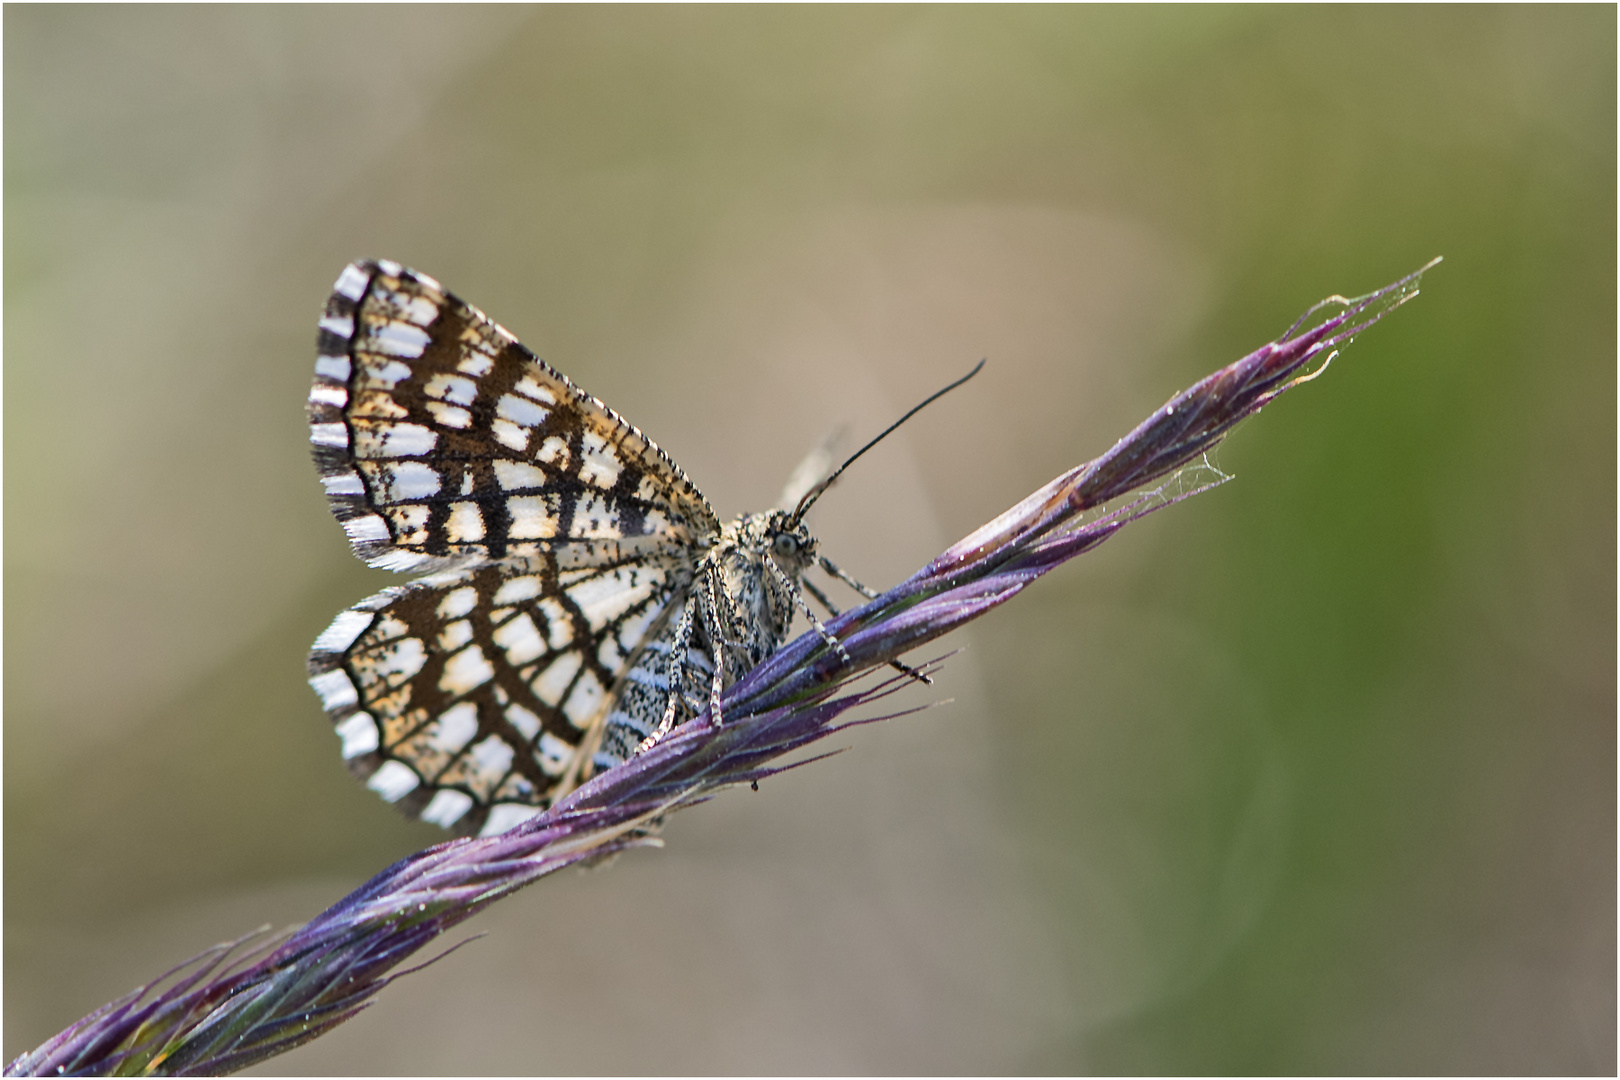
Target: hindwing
<point x="473" y="697"/>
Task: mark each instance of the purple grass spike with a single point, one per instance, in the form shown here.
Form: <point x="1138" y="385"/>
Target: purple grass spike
<point x="221" y="1012"/>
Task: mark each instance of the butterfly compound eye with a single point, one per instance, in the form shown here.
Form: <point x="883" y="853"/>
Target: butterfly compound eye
<point x="784" y="545"/>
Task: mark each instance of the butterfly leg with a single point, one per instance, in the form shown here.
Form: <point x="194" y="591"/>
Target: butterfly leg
<point x="717" y="643"/>
<point x="832" y="568"/>
<point x="677" y="669"/>
<point x="828" y="565"/>
<point x="820" y="597"/>
<point x="793" y="591"/>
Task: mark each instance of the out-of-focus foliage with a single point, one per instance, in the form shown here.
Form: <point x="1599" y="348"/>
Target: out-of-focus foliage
<point x="1313" y="774"/>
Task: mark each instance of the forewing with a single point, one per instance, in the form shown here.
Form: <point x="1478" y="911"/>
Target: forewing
<point x="469" y="697"/>
<point x="442" y="441"/>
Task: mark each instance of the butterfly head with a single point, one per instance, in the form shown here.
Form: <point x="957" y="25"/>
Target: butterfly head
<point x="792" y="546"/>
<point x="774" y="534"/>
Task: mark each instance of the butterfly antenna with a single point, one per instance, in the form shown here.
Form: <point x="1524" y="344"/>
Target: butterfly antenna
<point x="815" y="493"/>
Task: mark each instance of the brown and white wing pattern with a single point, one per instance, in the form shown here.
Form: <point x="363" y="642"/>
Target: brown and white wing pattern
<point x="470" y="697"/>
<point x="441" y="440"/>
<point x="560" y="542"/>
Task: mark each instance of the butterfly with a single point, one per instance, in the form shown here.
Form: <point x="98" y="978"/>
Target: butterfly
<point x="578" y="596"/>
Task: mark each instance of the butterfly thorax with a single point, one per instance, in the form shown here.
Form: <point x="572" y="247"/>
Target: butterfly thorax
<point x="737" y="606"/>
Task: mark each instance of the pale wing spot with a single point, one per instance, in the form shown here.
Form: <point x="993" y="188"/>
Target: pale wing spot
<point x="553" y="754"/>
<point x="466" y="483"/>
<point x="559" y="627"/>
<point x="517" y="475"/>
<point x="515" y="590"/>
<point x="370" y="527"/>
<point x="604" y="598"/>
<point x="584" y="701"/>
<point x="390" y="267"/>
<point x="398" y="339"/>
<point x="529" y="387"/>
<point x="476" y="364"/>
<point x="336" y="690"/>
<point x="531" y="518"/>
<point x="351" y="283"/>
<point x="520" y="411"/>
<point x="412" y="480"/>
<point x="455" y="635"/>
<point x="393" y="781"/>
<point x="553" y="682"/>
<point x="464" y="769"/>
<point x="554" y="452"/>
<point x="345" y="484"/>
<point x="466" y="671"/>
<point x="509" y="434"/>
<point x="341" y="325"/>
<point x="386" y="375"/>
<point x="454" y="728"/>
<point x="410" y="524"/>
<point x="452" y="416"/>
<point x="399" y="660"/>
<point x="329" y="435"/>
<point x="359" y="735"/>
<point x="601" y="473"/>
<point x="408" y="440"/>
<point x="634" y="627"/>
<point x="452" y="388"/>
<point x="458" y="602"/>
<point x="608" y="654"/>
<point x="376" y="404"/>
<point x="521" y="640"/>
<point x="655" y="521"/>
<point x="447" y="807"/>
<point x="389" y="294"/>
<point x="393" y="440"/>
<point x="390" y="627"/>
<point x="343" y="631"/>
<point x="493" y="757"/>
<point x="420" y="310"/>
<point x="327" y="394"/>
<point x="515" y="789"/>
<point x="500" y="615"/>
<point x="599" y="465"/>
<point x="465" y="523"/>
<point x="506" y="816"/>
<point x="333" y="367"/>
<point x="527" y="724"/>
<point x="404" y="306"/>
<point x="429" y="283"/>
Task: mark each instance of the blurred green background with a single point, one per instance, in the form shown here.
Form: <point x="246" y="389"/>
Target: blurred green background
<point x="1313" y="774"/>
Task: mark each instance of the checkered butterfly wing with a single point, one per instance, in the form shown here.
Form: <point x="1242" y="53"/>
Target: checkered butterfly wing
<point x="560" y="541"/>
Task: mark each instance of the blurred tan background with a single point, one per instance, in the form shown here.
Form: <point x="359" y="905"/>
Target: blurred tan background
<point x="1313" y="774"/>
